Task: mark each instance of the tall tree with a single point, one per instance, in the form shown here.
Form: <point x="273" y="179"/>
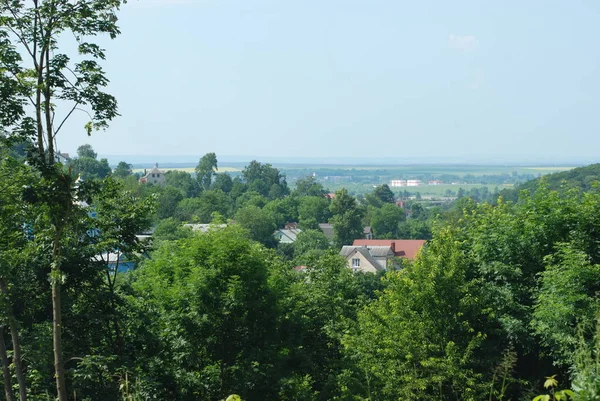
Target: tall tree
<point x="265" y="179"/>
<point x="259" y="222"/>
<point x="206" y="170"/>
<point x="309" y="240"/>
<point x="45" y="78"/>
<point x="384" y="194"/>
<point x="385" y="220"/>
<point x="226" y="341"/>
<point x="308" y="186"/>
<point x="223" y="182"/>
<point x="381" y="195"/>
<point x="347" y="218"/>
<point x="86" y="151"/>
<point x="123" y="170"/>
<point x="183" y="181"/>
<point x="89" y="168"/>
<point x="14" y="246"/>
<point x="313" y="210"/>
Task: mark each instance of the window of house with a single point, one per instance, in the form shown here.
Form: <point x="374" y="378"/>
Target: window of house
<point x="355" y="262"/>
<point x="153" y="175"/>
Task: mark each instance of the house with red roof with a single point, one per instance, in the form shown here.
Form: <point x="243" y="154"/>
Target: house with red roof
<point x="404" y="248"/>
<point x="373" y="255"/>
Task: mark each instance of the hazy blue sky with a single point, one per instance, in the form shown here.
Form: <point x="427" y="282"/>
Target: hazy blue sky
<point x="469" y="79"/>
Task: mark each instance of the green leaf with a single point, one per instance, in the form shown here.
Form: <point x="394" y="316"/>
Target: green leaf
<point x="551" y="382"/>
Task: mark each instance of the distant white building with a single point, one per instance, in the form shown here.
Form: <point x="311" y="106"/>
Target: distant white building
<point x="413" y="183"/>
<point x="398" y="183"/>
<point x="153" y="176"/>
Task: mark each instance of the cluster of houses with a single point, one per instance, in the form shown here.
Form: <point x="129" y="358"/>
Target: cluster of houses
<point x="366" y="255"/>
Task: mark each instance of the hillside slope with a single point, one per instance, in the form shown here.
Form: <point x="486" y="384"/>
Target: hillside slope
<point x="580" y="177"/>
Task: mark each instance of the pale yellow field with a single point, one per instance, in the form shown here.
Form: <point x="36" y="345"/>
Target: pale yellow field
<point x="191" y="169"/>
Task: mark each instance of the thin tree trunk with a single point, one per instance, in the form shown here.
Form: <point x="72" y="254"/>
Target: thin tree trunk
<point x="10" y="396"/>
<point x="56" y="271"/>
<point x="38" y="108"/>
<point x="120" y="342"/>
<point x="48" y="110"/>
<point x="59" y="366"/>
<point x="14" y="334"/>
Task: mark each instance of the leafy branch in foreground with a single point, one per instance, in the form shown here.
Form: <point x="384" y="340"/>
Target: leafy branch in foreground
<point x="554" y="395"/>
<point x="35" y="72"/>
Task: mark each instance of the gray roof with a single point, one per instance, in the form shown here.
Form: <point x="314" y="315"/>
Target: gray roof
<point x="327" y="230"/>
<point x="380" y="251"/>
<point x="375" y="251"/>
<point x="154" y="170"/>
<point x="290" y="235"/>
<point x="347" y="250"/>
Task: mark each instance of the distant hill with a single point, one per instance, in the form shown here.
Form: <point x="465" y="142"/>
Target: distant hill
<point x="580" y="177"/>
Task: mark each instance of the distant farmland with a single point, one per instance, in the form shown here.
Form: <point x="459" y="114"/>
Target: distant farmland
<point x="191" y="169"/>
<point x="360" y="179"/>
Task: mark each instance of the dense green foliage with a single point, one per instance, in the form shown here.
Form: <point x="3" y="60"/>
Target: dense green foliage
<point x="581" y="177"/>
<point x="501" y="296"/>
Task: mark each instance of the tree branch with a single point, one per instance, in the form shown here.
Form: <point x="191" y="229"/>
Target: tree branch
<point x="65" y="119"/>
<point x="21" y="36"/>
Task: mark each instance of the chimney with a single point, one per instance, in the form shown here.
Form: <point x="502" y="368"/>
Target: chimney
<point x="393" y="246"/>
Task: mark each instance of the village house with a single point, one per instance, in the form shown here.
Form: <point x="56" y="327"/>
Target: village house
<point x="288" y="234"/>
<point x="369" y="256"/>
<point x="402" y="248"/>
<point x="368" y="259"/>
<point x="153" y="176"/>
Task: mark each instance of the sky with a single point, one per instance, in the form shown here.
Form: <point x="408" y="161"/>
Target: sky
<point x="402" y="80"/>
